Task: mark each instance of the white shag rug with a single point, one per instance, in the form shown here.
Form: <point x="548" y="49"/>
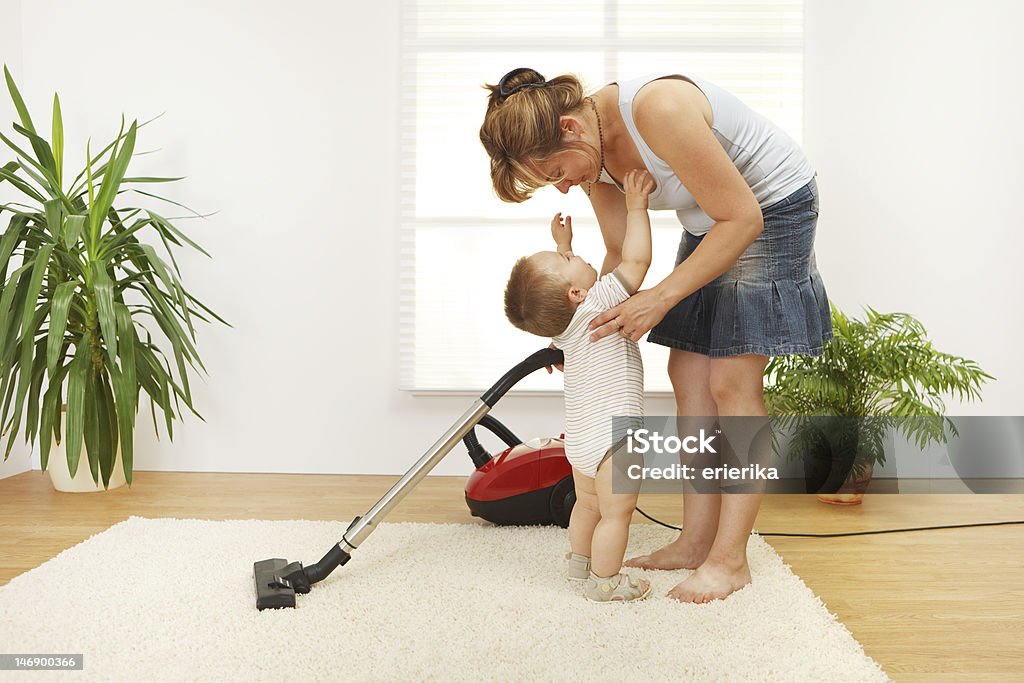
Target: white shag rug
<point x="173" y="600"/>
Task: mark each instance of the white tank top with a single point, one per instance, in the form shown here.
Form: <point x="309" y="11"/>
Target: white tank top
<point x="769" y="160"/>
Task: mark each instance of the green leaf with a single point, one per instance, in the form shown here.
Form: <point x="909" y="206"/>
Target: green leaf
<point x="40" y="180"/>
<point x="171" y="201"/>
<point x="76" y="188"/>
<point x="81" y="368"/>
<point x="58" y="140"/>
<point x="166" y="224"/>
<point x="49" y="184"/>
<point x="54" y="216"/>
<point x="125" y="385"/>
<point x="92" y="426"/>
<point x="158" y="266"/>
<point x="19" y="103"/>
<point x="120" y="239"/>
<point x="30" y="321"/>
<point x="165" y="317"/>
<point x="162" y="379"/>
<point x="38" y="371"/>
<point x="11" y="300"/>
<point x="40" y="264"/>
<point x="61" y="303"/>
<point x="8" y="242"/>
<point x="103" y="287"/>
<point x="172" y="283"/>
<point x="88" y="168"/>
<point x="106" y="414"/>
<point x="9" y="176"/>
<point x="73" y="226"/>
<point x="216" y="317"/>
<point x="50" y="417"/>
<point x="111" y="182"/>
<point x="151" y="179"/>
<point x="127" y="342"/>
<point x="44" y="155"/>
<point x="122" y="419"/>
<point x="4" y="426"/>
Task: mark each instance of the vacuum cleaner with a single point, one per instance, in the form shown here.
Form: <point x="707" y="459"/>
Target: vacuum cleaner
<point x="529" y="483"/>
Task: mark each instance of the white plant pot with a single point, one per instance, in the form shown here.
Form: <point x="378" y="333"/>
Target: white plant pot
<point x="82" y="482"/>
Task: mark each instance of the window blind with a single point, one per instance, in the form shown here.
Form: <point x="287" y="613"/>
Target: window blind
<point x="458" y="241"/>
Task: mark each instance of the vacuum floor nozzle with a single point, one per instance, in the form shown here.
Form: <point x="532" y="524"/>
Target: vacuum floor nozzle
<point x="273" y="589"/>
<point x="278" y="580"/>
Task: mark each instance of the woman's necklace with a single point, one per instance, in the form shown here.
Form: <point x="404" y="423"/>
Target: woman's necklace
<point x="600" y="140"/>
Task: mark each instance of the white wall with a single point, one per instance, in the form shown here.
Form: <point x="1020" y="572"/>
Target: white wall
<point x="284" y="119"/>
<point x="10" y="54"/>
<point x="913" y="111"/>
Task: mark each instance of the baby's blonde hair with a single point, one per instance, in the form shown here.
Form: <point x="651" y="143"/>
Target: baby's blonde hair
<point x="537" y="300"/>
<point x="522" y="127"/>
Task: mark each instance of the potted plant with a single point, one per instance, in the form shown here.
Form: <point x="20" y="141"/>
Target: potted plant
<point x="77" y="290"/>
<point x="877" y="376"/>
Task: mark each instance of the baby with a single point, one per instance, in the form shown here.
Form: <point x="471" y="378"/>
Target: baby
<point x="556" y="294"/>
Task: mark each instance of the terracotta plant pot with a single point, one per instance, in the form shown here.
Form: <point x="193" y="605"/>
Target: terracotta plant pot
<point x="852" y="490"/>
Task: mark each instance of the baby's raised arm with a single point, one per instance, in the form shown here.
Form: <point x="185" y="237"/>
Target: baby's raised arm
<point x="561" y="232"/>
<point x="636" y="245"/>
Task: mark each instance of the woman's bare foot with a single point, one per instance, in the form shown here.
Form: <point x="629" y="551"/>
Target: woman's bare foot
<point x="679" y="554"/>
<point x="712" y="581"/>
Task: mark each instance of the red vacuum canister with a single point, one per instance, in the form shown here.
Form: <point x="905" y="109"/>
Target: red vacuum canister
<point x="527" y="483"/>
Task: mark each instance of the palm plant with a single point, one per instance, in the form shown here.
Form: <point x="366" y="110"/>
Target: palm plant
<point x="71" y="310"/>
<point x="877" y="376"/>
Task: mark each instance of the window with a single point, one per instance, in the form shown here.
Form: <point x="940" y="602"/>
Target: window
<point x="458" y="240"/>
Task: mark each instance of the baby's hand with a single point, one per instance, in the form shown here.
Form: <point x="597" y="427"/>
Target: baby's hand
<point x="562" y="232"/>
<point x="638" y="185"/>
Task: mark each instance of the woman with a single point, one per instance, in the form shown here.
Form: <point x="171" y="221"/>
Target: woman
<point x="745" y="286"/>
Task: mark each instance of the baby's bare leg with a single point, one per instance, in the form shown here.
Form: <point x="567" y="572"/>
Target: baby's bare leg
<point x="585" y="514"/>
<point x="612" y="532"/>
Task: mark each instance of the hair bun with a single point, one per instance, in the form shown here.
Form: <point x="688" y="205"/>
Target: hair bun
<point x="515" y="80"/>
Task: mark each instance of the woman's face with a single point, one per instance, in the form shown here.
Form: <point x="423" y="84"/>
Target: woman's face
<point x="573" y="166"/>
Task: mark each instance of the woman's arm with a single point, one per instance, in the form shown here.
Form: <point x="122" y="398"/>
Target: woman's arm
<point x="610" y="208"/>
<point x="674" y="119"/>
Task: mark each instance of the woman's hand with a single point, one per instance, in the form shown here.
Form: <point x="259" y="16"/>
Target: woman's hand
<point x="632" y="318"/>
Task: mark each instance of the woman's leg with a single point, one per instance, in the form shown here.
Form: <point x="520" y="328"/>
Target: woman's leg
<point x="690" y="375"/>
<point x="737" y="387"/>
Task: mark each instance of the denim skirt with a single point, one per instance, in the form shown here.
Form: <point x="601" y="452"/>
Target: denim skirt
<point x="771" y="302"/>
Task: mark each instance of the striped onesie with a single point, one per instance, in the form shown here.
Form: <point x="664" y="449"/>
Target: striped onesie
<point x="602" y="379"/>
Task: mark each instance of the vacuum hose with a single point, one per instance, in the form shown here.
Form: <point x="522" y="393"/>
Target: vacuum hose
<point x="334" y="558"/>
<point x="477" y="453"/>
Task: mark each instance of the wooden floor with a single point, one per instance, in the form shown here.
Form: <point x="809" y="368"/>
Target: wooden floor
<point x="945" y="605"/>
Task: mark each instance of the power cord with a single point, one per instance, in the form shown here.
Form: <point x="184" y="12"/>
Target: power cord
<point x="852" y="533"/>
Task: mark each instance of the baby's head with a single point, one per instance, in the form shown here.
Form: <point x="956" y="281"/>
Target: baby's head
<point x="544" y="290"/>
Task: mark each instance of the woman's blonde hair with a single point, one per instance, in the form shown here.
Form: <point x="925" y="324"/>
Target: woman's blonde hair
<point x="522" y="128"/>
<point x="537" y="300"/>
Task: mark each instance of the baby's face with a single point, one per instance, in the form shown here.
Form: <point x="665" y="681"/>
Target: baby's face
<point x="578" y="272"/>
